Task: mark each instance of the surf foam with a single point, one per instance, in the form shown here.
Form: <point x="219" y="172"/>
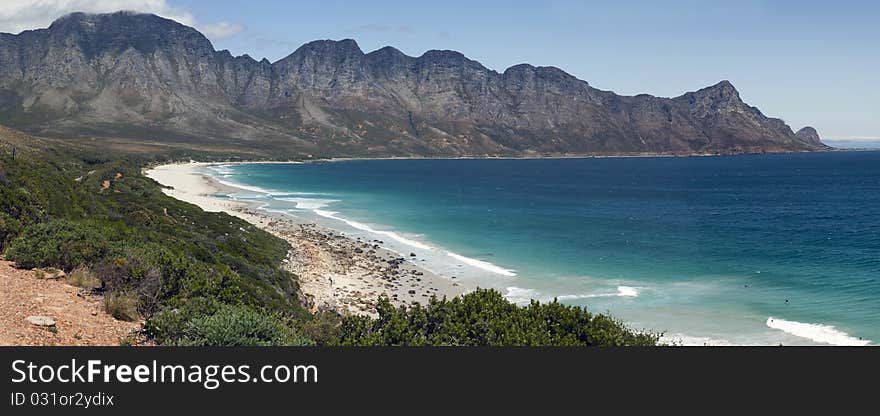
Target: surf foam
<point x="825" y="334"/>
<point x="309" y="203"/>
<point x="696" y="341"/>
<point x="367" y="228"/>
<point x="480" y="264"/>
<point x="484" y="265"/>
<point x="522" y="295"/>
<point x="622" y="291"/>
<point x="255" y="189"/>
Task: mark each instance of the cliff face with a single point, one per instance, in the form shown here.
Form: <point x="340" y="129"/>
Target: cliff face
<point x="144" y="77"/>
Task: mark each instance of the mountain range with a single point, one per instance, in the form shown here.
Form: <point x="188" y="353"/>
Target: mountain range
<point x="146" y="79"/>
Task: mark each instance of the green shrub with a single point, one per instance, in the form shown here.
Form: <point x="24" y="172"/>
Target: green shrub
<point x="208" y="323"/>
<point x="323" y="328"/>
<point x="122" y="305"/>
<point x="169" y="325"/>
<point x="484" y="317"/>
<point x="240" y="326"/>
<point x="9" y="229"/>
<point x="60" y="243"/>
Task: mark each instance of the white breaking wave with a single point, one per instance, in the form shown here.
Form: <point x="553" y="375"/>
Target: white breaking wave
<point x="696" y="341"/>
<point x="222" y="169"/>
<point x="480" y="264"/>
<point x="484" y="265"/>
<point x="295" y="194"/>
<point x="367" y="228"/>
<point x="825" y="334"/>
<point x="622" y="291"/>
<point x="627" y="291"/>
<point x="309" y="203"/>
<point x="256" y="189"/>
<point x="522" y="295"/>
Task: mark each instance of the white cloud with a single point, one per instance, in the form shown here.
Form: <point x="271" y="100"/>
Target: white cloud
<point x="222" y="30"/>
<point x="19" y="15"/>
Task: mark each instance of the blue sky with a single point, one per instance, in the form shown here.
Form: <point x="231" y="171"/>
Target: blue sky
<point x="808" y="62"/>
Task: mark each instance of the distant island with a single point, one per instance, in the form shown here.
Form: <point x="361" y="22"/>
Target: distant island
<point x="139" y="81"/>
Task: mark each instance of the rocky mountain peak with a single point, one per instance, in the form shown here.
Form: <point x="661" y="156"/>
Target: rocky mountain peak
<point x="809" y="135"/>
<point x="387" y="53"/>
<point x="446" y="58"/>
<point x="329" y="48"/>
<point x="99" y="33"/>
<point x="721" y="97"/>
<point x="722" y="92"/>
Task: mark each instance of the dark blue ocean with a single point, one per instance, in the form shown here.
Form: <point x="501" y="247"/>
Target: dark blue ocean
<point x="762" y="249"/>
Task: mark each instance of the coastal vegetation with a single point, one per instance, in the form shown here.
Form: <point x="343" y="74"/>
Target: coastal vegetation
<point x="200" y="278"/>
<point x="484" y="317"/>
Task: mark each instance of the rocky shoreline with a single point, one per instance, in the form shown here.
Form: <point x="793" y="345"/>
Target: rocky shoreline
<point x="336" y="272"/>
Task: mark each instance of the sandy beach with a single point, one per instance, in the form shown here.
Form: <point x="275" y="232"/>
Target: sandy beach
<point x="336" y="272"/>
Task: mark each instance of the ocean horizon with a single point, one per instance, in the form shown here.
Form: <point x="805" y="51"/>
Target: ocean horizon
<point x="728" y="250"/>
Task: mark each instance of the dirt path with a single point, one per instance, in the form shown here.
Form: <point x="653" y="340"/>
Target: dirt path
<point x="79" y="317"/>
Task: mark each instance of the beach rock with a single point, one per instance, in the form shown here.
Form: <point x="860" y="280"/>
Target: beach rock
<point x="40" y="320"/>
<point x="412" y="254"/>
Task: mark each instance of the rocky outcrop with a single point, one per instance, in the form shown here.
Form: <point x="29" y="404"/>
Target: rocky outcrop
<point x="144" y="77"/>
<point x="809" y="135"/>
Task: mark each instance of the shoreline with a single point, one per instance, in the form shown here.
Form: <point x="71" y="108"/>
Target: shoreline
<point x="325" y="253"/>
<point x="488" y="157"/>
<point x="335" y="272"/>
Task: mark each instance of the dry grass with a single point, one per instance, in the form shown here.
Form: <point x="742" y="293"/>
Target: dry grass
<point x="48" y="273"/>
<point x="122" y="306"/>
<point x="84" y="278"/>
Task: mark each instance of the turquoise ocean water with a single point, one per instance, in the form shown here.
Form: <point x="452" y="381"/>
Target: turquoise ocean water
<point x="763" y="249"/>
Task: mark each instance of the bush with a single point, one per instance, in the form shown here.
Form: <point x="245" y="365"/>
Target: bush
<point x="484" y="317"/>
<point x="60" y="243"/>
<point x="205" y="322"/>
<point x="9" y="229"/>
<point x="240" y="326"/>
<point x="323" y="328"/>
<point x="169" y="325"/>
<point x="122" y="305"/>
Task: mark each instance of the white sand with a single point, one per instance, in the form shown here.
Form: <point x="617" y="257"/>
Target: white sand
<point x="335" y="272"/>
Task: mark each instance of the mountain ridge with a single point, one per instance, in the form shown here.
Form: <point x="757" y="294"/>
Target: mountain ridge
<point x="143" y="77"/>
